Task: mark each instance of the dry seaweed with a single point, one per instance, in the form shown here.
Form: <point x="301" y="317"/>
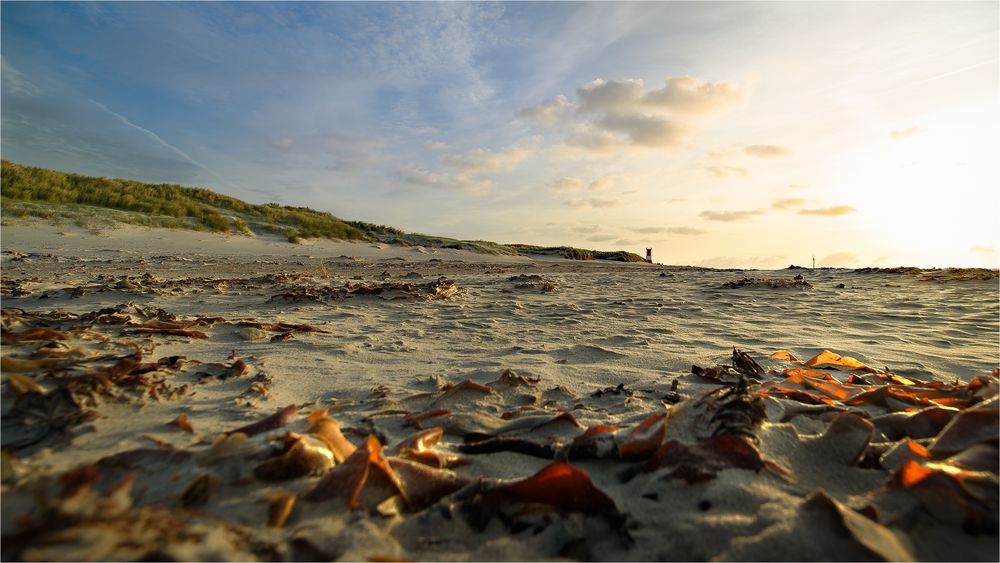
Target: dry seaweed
<point x="35" y="416"/>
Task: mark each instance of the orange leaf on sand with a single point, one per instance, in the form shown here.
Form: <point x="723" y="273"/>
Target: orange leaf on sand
<point x="562" y="487"/>
<point x="366" y="468"/>
<point x="182" y="423"/>
<point x="951" y="494"/>
<point x="797" y="395"/>
<point x="420" y="447"/>
<point x="785" y="355"/>
<point x="280" y="509"/>
<point x="828" y="358"/>
<point x="645" y="437"/>
<point x="815" y="380"/>
<point x="328" y="430"/>
<point x="596" y="430"/>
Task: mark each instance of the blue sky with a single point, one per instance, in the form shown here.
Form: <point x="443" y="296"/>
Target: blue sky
<point x="722" y="134"/>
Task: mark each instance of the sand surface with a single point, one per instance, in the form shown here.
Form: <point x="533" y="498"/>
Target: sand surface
<point x="733" y="463"/>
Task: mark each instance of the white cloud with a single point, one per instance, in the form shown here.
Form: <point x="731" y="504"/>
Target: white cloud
<point x="618" y="115"/>
<point x="590" y="139"/>
<point x="680" y="96"/>
<point x="610" y="95"/>
<point x="690" y="96"/>
<point x="983" y="249"/>
<point x="646" y="130"/>
<point x="460" y="182"/>
<point x="482" y="160"/>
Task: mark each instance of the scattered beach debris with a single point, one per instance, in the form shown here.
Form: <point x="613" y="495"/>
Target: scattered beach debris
<point x="868" y="459"/>
<point x="797" y="281"/>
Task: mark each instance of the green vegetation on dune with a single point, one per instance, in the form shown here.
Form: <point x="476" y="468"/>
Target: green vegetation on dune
<point x="204" y="208"/>
<point x="89" y="201"/>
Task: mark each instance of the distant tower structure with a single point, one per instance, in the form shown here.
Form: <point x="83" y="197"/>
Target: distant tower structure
<point x="814" y="261"/>
<point x="649" y="255"/>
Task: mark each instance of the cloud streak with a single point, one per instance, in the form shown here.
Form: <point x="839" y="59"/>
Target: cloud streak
<point x="730" y="216"/>
<point x="834" y="211"/>
<point x="165" y="144"/>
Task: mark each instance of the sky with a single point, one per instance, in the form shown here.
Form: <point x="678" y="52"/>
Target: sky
<point x="745" y="134"/>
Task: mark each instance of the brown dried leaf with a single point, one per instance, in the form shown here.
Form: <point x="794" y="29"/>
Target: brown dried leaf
<point x="182" y="423"/>
<point x="276" y="420"/>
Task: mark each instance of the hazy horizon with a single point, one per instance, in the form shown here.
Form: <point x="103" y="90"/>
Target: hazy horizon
<point x="748" y="135"/>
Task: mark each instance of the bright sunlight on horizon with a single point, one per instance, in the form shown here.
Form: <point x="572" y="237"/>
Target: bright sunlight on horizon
<point x="720" y="134"/>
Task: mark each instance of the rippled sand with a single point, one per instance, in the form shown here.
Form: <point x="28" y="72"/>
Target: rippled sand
<point x="581" y="326"/>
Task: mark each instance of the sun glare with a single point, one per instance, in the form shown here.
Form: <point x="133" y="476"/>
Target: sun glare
<point x="926" y="193"/>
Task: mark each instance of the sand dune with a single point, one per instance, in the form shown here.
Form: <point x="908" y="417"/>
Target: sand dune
<point x="892" y="456"/>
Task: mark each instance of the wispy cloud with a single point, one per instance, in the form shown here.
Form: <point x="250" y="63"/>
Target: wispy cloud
<point x="571" y="184"/>
<point x="789" y="203"/>
<point x="730" y="216"/>
<point x="983" y="249"/>
<point x="685" y="231"/>
<point x="461" y="182"/>
<point x="593" y="202"/>
<point x="669" y="230"/>
<point x="163" y="143"/>
<point x="483" y="160"/>
<point x="767" y="151"/>
<point x="14" y="80"/>
<point x="829" y="211"/>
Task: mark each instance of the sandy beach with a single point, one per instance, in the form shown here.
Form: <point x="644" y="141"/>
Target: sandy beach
<point x="183" y="395"/>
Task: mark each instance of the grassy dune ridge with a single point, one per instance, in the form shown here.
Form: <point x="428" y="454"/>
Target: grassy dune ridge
<point x="29" y="191"/>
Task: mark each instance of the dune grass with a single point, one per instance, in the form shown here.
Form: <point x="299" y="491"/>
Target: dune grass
<point x="93" y="202"/>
